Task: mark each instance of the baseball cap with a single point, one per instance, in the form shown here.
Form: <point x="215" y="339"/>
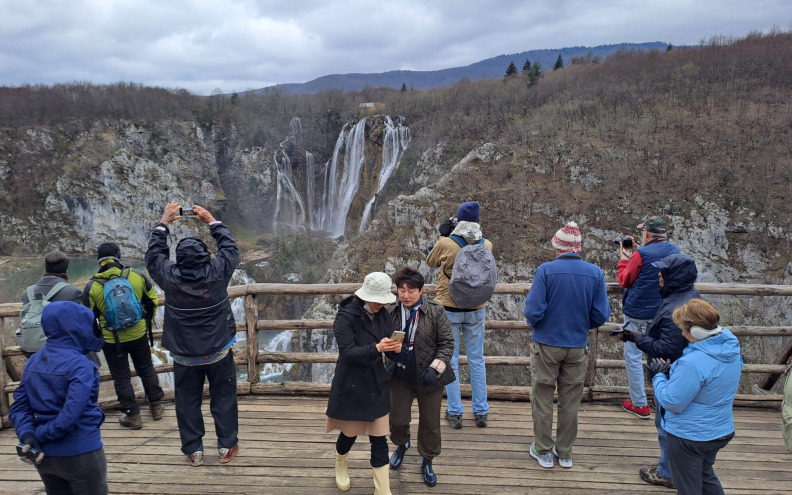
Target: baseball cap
<point x="653" y="224"/>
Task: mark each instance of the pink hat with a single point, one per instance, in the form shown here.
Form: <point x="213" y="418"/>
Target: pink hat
<point x="568" y="239"/>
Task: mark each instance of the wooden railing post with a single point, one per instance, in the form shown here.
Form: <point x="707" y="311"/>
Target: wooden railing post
<point x="4" y="402"/>
<point x="251" y="317"/>
<point x="591" y="371"/>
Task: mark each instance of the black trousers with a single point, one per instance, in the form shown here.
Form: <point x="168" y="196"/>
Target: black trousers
<point x="140" y="353"/>
<point x="691" y="465"/>
<point x="189" y="382"/>
<point x="83" y="474"/>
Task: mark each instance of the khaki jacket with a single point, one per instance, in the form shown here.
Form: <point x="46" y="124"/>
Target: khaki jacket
<point x="443" y="256"/>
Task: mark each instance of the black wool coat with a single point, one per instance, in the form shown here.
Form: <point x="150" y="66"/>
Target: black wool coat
<point x="360" y="390"/>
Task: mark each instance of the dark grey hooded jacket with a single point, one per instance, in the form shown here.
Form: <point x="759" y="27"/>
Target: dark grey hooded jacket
<point x="198" y="316"/>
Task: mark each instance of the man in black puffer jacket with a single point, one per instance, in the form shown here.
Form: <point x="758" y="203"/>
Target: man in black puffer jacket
<point x="199" y="329"/>
<point x="420" y="370"/>
<point x="663" y="339"/>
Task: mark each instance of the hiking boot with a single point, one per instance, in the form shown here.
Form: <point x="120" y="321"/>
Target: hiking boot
<point x="651" y="476"/>
<point x="545" y="460"/>
<point x="398" y="456"/>
<point x="455" y="420"/>
<point x="131" y="421"/>
<point x="481" y="420"/>
<point x="564" y="462"/>
<point x="196" y="458"/>
<point x="156" y="409"/>
<point x="226" y="455"/>
<point x="641" y="412"/>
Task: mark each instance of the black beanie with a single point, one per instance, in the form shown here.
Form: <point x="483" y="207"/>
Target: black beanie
<point x="108" y="250"/>
<point x="56" y="262"/>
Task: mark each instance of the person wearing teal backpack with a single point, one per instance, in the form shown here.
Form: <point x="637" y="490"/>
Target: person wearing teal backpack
<point x="124" y="301"/>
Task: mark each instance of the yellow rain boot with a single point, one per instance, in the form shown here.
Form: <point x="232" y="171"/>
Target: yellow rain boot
<point x="382" y="480"/>
<point x="342" y="475"/>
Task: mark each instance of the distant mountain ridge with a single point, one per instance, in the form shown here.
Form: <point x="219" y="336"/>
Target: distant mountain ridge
<point x="490" y="68"/>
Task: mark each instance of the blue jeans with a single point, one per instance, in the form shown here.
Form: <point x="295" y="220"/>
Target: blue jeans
<point x="663" y="468"/>
<point x="634" y="364"/>
<point x="471" y="325"/>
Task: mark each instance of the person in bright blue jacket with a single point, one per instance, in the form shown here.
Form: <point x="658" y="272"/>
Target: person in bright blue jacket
<point x="567" y="298"/>
<point x="55" y="408"/>
<point x="697" y="397"/>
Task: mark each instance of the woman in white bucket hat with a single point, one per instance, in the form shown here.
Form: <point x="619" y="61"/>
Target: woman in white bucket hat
<point x="360" y="395"/>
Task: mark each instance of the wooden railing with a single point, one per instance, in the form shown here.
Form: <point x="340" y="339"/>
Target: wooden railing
<point x="254" y="357"/>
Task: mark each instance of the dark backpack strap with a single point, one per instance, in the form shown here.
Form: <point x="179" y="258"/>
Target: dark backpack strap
<point x="459" y="240"/>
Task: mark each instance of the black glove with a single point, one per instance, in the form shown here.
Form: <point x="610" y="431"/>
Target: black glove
<point x="33" y="452"/>
<point x="429" y="376"/>
<point x="656" y="365"/>
<point x="447" y="227"/>
<point x="629" y="335"/>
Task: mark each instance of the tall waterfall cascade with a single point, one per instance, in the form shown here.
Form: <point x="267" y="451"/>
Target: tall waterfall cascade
<point x="324" y="203"/>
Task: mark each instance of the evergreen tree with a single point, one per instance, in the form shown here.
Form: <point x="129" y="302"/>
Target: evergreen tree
<point x="526" y="66"/>
<point x="559" y="63"/>
<point x="404" y="87"/>
<point x="669" y="48"/>
<point x="535" y="74"/>
<point x="511" y="70"/>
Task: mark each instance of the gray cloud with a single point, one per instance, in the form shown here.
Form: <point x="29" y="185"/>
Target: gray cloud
<point x="233" y="45"/>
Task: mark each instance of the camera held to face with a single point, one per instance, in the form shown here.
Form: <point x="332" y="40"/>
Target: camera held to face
<point x="624" y="241"/>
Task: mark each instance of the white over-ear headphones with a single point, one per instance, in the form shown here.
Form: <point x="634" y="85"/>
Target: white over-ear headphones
<point x="700" y="333"/>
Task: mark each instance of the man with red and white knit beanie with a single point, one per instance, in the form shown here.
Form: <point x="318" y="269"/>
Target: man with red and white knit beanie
<point x="567" y="298"/>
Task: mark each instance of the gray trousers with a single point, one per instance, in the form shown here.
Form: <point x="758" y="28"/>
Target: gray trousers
<point x="83" y="474"/>
<point x="563" y="368"/>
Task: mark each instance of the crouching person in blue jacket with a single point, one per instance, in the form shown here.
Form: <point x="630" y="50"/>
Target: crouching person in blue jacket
<point x="55" y="410"/>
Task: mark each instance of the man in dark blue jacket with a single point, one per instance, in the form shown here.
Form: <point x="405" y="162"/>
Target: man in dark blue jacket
<point x="637" y="274"/>
<point x="664" y="339"/>
<point x="55" y="408"/>
<point x="567" y="299"/>
<point x="199" y="329"/>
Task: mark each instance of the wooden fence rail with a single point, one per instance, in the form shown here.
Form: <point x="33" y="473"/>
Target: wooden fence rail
<point x="255" y="357"/>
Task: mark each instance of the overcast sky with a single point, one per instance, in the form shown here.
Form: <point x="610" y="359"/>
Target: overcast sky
<point x="234" y="45"/>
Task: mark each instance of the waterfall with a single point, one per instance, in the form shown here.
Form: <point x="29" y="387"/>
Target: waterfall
<point x="289" y="209"/>
<point x="395" y="141"/>
<point x="326" y="204"/>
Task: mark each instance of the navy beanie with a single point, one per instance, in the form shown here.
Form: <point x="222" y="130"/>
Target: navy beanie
<point x="108" y="250"/>
<point x="468" y="212"/>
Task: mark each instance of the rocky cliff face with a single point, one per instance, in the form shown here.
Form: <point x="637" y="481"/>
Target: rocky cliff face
<point x="74" y="189"/>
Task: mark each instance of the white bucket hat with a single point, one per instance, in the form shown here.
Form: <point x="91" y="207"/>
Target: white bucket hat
<point x="376" y="288"/>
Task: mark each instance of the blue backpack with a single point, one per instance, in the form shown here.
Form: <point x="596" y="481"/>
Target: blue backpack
<point x="122" y="307"/>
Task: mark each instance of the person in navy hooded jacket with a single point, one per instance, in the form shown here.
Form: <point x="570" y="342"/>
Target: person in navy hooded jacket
<point x="55" y="408"/>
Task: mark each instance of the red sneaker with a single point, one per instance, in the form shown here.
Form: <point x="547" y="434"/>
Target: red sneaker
<point x="226" y="455"/>
<point x="641" y="412"/>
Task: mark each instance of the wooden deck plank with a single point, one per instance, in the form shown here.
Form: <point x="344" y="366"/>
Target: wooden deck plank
<point x="283" y="449"/>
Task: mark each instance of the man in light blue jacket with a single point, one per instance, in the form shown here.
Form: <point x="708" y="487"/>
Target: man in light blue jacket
<point x="697" y="397"/>
<point x="567" y="298"/>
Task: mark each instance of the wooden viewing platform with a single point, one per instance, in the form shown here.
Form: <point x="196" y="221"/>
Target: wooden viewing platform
<point x="284" y="450"/>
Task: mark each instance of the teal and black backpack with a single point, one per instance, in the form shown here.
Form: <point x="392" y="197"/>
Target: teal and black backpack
<point x="122" y="307"/>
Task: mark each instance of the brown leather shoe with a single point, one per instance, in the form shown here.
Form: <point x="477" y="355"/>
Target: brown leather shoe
<point x="156" y="409"/>
<point x="131" y="421"/>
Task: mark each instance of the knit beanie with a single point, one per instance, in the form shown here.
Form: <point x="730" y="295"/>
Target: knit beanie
<point x="56" y="262"/>
<point x="568" y="239"/>
<point x="108" y="250"/>
<point x="468" y="212"/>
